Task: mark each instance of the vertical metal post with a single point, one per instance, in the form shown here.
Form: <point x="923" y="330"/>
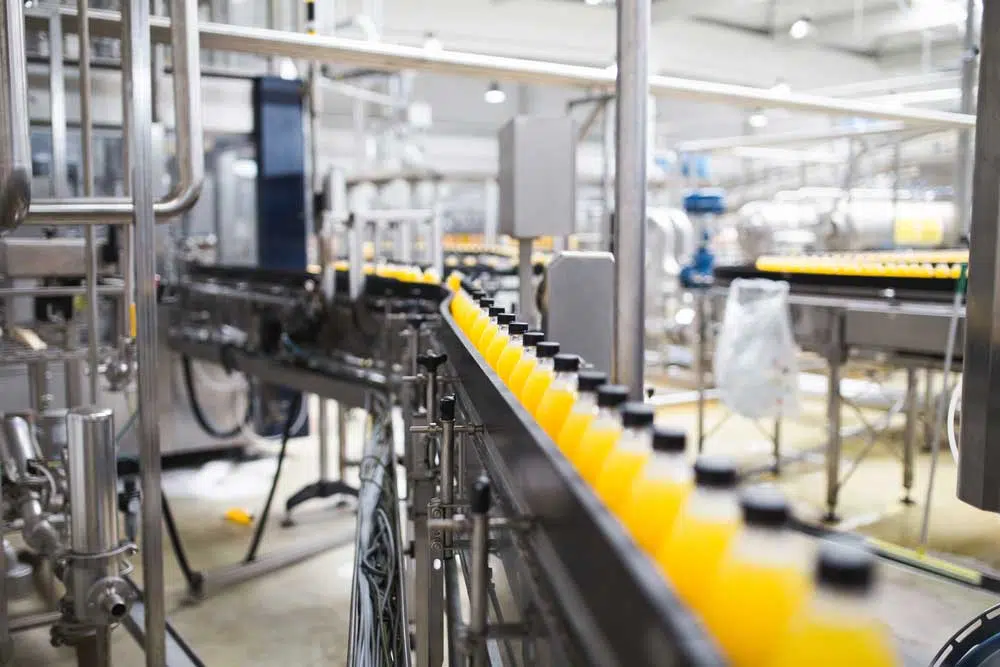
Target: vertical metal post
<point x="343" y="415"/>
<point x="6" y="644"/>
<point x="480" y="572"/>
<point x="977" y="467"/>
<point x="928" y="407"/>
<point x="776" y="443"/>
<point x="525" y="277"/>
<point x="608" y="177"/>
<point x="355" y="255"/>
<point x="87" y="169"/>
<point x="15" y="144"/>
<point x="963" y="167"/>
<point x="137" y="89"/>
<point x="57" y="107"/>
<point x="403" y="242"/>
<point x="834" y="360"/>
<point x="38" y="384"/>
<point x="700" y="298"/>
<point x="437" y="234"/>
<point x="630" y="193"/>
<point x="324" y="438"/>
<point x="910" y="433"/>
<point x="447" y="460"/>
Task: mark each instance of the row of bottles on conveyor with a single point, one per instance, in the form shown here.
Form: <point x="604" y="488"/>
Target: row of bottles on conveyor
<point x="407" y="273"/>
<point x="930" y="264"/>
<point x="762" y="591"/>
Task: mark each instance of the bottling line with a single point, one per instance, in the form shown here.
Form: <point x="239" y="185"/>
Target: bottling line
<point x="479" y="539"/>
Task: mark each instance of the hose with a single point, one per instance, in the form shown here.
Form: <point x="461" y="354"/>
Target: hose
<point x="199" y="415"/>
<point x="956" y="397"/>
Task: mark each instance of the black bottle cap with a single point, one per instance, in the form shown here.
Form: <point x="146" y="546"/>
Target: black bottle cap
<point x="505" y="318"/>
<point x="485" y="302"/>
<point x="546" y="348"/>
<point x="845" y="564"/>
<point x="447" y="407"/>
<point x="667" y="439"/>
<point x="495" y="311"/>
<point x="637" y="415"/>
<point x="480" y="501"/>
<point x="588" y="380"/>
<point x="764" y="506"/>
<point x="715" y="471"/>
<point x="611" y="395"/>
<point x="533" y="338"/>
<point x="476" y="294"/>
<point x="517" y="327"/>
<point x="567" y="363"/>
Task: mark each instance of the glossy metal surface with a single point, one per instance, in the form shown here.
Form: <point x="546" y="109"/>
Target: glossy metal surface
<point x="190" y="141"/>
<point x="15" y="147"/>
<point x="261" y="41"/>
<point x="628" y="360"/>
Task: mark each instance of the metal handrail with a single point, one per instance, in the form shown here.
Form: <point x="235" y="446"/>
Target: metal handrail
<point x="278" y="43"/>
<point x="183" y="36"/>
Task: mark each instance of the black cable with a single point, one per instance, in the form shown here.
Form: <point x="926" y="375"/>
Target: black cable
<point x="199" y="416"/>
<point x="193" y="579"/>
<point x="293" y="409"/>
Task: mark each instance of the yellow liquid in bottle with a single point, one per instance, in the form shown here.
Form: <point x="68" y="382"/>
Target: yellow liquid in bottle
<point x="522" y="370"/>
<point x="690" y="556"/>
<point x="651" y="510"/>
<point x="534" y="389"/>
<point x="508" y="360"/>
<point x="820" y="641"/>
<point x="484" y="340"/>
<point x="595" y="445"/>
<point x="614" y="481"/>
<point x="750" y="608"/>
<point x="496" y="348"/>
<point x="572" y="432"/>
<point x="553" y="410"/>
<point x="477" y="326"/>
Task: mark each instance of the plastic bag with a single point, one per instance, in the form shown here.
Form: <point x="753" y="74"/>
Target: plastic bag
<point x="756" y="368"/>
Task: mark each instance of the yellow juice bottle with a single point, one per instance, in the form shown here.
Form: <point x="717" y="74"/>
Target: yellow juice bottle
<point x="560" y="395"/>
<point x="471" y="310"/>
<point x="625" y="460"/>
<point x="705" y="526"/>
<point x="482" y="326"/>
<point x="603" y="432"/>
<point x="526" y="364"/>
<point x="513" y="352"/>
<point x="582" y="413"/>
<point x="496" y="346"/>
<point x="479" y="322"/>
<point x="541" y="379"/>
<point x="490" y="329"/>
<point x="659" y="490"/>
<point x="838" y="625"/>
<point x="540" y="376"/>
<point x="761" y="584"/>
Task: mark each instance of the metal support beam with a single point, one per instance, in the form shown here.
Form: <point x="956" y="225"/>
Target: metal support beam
<point x="138" y="89"/>
<point x="964" y="166"/>
<point x="630" y="193"/>
<point x="15" y="146"/>
<point x="261" y="41"/>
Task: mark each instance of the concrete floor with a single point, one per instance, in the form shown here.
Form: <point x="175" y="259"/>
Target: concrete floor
<point x="299" y="616"/>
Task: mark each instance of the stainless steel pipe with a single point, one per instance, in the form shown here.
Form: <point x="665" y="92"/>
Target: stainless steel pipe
<point x="630" y="194"/>
<point x="15" y="146"/>
<point x="265" y="42"/>
<point x="182" y="33"/>
<point x="98" y="594"/>
<point x="87" y="167"/>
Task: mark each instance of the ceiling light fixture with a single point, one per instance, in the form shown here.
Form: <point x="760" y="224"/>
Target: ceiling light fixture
<point x="781" y="87"/>
<point x="494" y="94"/>
<point x="757" y="120"/>
<point x="593" y="3"/>
<point x="801" y="29"/>
<point x="432" y="43"/>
